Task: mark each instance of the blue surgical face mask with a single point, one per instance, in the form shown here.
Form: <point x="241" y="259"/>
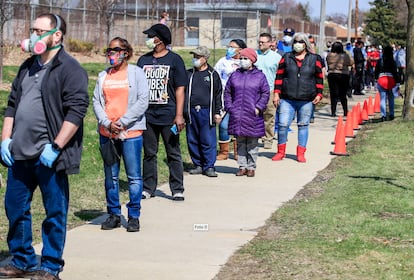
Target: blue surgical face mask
<point x="230" y="52"/>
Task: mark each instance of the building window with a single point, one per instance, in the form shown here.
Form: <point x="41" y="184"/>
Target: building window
<point x="233" y="28"/>
<point x="192" y="28"/>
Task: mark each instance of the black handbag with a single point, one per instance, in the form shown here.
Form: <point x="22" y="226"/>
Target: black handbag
<point x="108" y="152"/>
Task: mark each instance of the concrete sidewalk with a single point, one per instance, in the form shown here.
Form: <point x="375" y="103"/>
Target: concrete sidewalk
<point x="194" y="238"/>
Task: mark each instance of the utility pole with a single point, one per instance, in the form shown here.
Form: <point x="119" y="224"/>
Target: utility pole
<point x="322" y="27"/>
<point x="349" y="21"/>
<point x="356" y="19"/>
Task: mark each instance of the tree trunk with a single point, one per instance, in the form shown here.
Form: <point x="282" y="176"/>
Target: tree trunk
<point x="408" y="108"/>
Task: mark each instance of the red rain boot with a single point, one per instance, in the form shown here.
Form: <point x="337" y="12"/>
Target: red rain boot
<point x="300" y="153"/>
<point x="281" y="152"/>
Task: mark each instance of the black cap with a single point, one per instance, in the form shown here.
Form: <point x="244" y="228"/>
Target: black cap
<point x="161" y="31"/>
<point x="289" y="31"/>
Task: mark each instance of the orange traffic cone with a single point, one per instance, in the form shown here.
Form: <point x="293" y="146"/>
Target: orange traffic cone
<point x="377" y="107"/>
<point x="364" y="113"/>
<point x="339" y="126"/>
<point x="370" y="106"/>
<point x="340" y="145"/>
<point x="349" y="125"/>
<point x="359" y="113"/>
<point x="355" y="118"/>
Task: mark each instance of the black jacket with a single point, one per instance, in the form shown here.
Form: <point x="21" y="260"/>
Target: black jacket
<point x="65" y="98"/>
<point x="215" y="99"/>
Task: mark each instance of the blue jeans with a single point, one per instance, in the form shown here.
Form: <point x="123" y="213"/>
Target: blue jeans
<point x="223" y="129"/>
<point x="130" y="150"/>
<point x="386" y="95"/>
<point x="201" y="139"/>
<point x="23" y="178"/>
<point x="287" y="111"/>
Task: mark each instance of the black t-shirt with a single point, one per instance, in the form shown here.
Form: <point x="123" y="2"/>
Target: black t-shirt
<point x="164" y="75"/>
<point x="201" y="89"/>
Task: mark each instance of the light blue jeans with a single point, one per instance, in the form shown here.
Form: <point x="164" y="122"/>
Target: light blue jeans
<point x="287" y="110"/>
<point x="386" y="95"/>
<point x="223" y="129"/>
<point x="130" y="150"/>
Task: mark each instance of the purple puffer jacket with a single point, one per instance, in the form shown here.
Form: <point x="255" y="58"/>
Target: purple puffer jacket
<point x="245" y="91"/>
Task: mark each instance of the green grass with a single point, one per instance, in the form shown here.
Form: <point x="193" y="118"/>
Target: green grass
<point x="354" y="221"/>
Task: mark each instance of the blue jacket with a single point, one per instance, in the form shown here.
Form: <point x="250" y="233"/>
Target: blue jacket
<point x="245" y="92"/>
<point x="65" y="98"/>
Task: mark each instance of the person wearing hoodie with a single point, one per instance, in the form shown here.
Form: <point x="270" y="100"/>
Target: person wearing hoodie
<point x="298" y="86"/>
<point x="203" y="107"/>
<point x="245" y="98"/>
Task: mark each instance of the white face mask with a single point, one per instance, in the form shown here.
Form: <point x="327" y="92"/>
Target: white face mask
<point x="196" y="63"/>
<point x="150" y="43"/>
<point x="245" y="63"/>
<point x="298" y="47"/>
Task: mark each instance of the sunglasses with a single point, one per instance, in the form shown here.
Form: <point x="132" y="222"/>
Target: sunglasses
<point x="113" y="50"/>
<point x="244" y="58"/>
<point x="301" y="41"/>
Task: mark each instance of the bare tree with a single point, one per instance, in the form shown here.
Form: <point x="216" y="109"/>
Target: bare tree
<point x="408" y="108"/>
<point x="5" y="15"/>
<point x="106" y="10"/>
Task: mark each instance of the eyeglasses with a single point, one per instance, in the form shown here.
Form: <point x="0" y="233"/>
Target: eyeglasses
<point x="261" y="42"/>
<point x="38" y="31"/>
<point x="301" y="41"/>
<point x="112" y="51"/>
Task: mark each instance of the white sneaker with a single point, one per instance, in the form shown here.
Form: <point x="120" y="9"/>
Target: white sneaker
<point x="178" y="196"/>
<point x="146" y="195"/>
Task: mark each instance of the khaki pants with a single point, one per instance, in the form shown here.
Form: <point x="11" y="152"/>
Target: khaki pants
<point x="269" y="119"/>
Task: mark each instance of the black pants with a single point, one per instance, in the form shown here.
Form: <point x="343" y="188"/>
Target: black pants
<point x="338" y="87"/>
<point x="174" y="160"/>
<point x="358" y="79"/>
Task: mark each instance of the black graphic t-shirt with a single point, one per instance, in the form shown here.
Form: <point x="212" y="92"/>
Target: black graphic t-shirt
<point x="164" y="75"/>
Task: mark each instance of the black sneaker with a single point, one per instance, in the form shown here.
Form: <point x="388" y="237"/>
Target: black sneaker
<point x="210" y="172"/>
<point x="196" y="171"/>
<point x="133" y="225"/>
<point x="113" y="221"/>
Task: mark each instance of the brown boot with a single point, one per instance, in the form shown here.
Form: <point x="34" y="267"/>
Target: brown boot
<point x="300" y="153"/>
<point x="235" y="149"/>
<point x="281" y="152"/>
<point x="224" y="151"/>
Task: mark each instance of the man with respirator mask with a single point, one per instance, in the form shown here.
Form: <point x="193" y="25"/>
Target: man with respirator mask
<point x="41" y="144"/>
<point x="167" y="79"/>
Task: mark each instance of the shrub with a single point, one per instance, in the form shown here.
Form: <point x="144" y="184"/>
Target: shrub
<point x="80" y="46"/>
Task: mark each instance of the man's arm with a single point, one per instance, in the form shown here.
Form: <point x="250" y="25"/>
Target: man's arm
<point x="65" y="134"/>
<point x="7" y="128"/>
<point x="179" y="100"/>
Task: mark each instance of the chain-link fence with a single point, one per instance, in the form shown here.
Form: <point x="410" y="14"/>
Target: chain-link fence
<point x="97" y="21"/>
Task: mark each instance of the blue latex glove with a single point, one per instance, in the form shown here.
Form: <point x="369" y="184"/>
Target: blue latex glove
<point x="5" y="152"/>
<point x="49" y="155"/>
